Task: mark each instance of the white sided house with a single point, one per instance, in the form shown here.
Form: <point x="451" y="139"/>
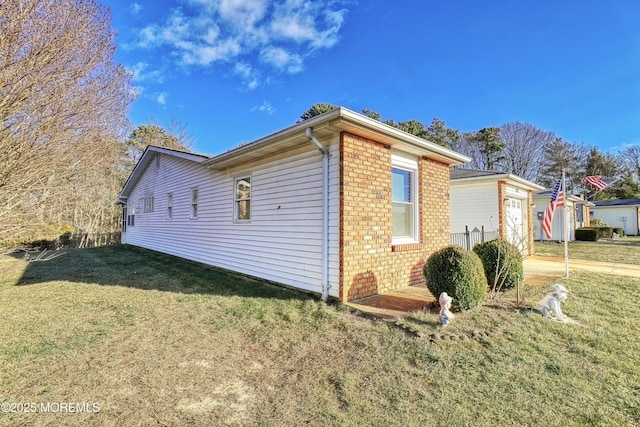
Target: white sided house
<point x="622" y="213"/>
<point x="577" y="214"/>
<point x="494" y="201"/>
<point x="339" y="205"/>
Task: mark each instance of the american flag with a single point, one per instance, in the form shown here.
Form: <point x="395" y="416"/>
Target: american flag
<point x="557" y="200"/>
<point x="597" y="181"/>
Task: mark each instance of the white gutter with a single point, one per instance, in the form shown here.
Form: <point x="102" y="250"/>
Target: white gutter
<point x="325" y="213"/>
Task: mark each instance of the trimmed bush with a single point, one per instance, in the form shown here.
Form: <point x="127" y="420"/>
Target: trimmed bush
<point x="619" y="231"/>
<point x="459" y="273"/>
<point x="502" y="263"/>
<point x="587" y="234"/>
<point x="605" y="232"/>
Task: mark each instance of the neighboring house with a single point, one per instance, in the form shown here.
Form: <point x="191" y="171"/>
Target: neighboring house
<point x="577" y="213"/>
<point x="623" y="213"/>
<point x="340" y="205"/>
<point x="494" y="201"/>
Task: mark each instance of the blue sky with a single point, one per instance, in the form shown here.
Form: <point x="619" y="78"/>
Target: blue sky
<point x="233" y="71"/>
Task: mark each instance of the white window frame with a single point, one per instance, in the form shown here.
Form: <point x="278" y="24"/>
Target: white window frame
<point x="195" y="197"/>
<point x="169" y="205"/>
<point x="237" y="200"/>
<point x="407" y="162"/>
<point x="148" y="204"/>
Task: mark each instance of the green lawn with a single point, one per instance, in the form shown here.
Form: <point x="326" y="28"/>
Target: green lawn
<point x="625" y="250"/>
<point x="153" y="340"/>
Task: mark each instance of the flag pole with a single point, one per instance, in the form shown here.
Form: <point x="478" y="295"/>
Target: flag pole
<point x="565" y="220"/>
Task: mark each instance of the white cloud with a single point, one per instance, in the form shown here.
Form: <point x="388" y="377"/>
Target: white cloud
<point x="161" y="98"/>
<point x="135" y="8"/>
<point x="140" y="72"/>
<point x="282" y="59"/>
<point x="249" y="75"/>
<point x="265" y="107"/>
<point x="280" y="34"/>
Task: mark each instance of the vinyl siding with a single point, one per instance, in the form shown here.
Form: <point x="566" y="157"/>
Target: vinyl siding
<point x="283" y="240"/>
<point x="557" y="225"/>
<point x="474" y="205"/>
<point x="613" y="217"/>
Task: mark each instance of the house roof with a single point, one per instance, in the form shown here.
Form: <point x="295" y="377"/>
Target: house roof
<point x="146" y="158"/>
<point x="617" y="203"/>
<point x="324" y="126"/>
<point x="327" y="125"/>
<point x="476" y="175"/>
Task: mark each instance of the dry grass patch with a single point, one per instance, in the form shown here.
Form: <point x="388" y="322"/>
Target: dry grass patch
<point x="160" y="341"/>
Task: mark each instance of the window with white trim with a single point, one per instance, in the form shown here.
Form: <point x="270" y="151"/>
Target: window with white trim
<point x="242" y="206"/>
<point x="194" y="202"/>
<point x="404" y="196"/>
<point x="148" y="204"/>
<point x="169" y="206"/>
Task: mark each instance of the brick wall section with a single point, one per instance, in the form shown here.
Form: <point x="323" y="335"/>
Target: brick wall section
<point x="530" y="247"/>
<point x="369" y="263"/>
<point x="502" y="209"/>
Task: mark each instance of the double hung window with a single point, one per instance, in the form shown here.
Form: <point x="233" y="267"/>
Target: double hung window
<point x="404" y="195"/>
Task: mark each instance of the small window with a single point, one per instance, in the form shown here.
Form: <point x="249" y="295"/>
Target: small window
<point x="148" y="204"/>
<point x="403" y="203"/>
<point x="169" y="206"/>
<point x="243" y="199"/>
<point x="131" y="216"/>
<point x="157" y="161"/>
<point x="194" y="203"/>
<point x="404" y="198"/>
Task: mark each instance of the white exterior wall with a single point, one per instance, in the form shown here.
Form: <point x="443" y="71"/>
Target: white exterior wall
<point x="283" y="240"/>
<point x="557" y="226"/>
<point x="474" y="205"/>
<point x="613" y="216"/>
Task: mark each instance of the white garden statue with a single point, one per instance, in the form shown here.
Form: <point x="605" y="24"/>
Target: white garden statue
<point x="549" y="306"/>
<point x="445" y="304"/>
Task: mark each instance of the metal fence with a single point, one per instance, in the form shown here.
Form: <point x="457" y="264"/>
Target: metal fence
<point x="469" y="239"/>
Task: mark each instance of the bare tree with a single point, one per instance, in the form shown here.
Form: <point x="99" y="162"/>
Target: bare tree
<point x="175" y="138"/>
<point x="629" y="159"/>
<point x="524" y="148"/>
<point x="63" y="102"/>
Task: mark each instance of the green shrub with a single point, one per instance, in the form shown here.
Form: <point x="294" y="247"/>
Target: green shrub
<point x="619" y="231"/>
<point x="459" y="273"/>
<point x="502" y="263"/>
<point x="605" y="232"/>
<point x="587" y="234"/>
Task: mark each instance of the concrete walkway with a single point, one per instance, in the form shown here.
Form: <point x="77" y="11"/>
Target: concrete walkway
<point x="538" y="270"/>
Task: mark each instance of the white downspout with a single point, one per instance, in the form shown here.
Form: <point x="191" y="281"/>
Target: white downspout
<point x="325" y="213"/>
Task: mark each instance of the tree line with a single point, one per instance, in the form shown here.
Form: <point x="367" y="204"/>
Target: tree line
<point x="66" y="146"/>
<point x="524" y="150"/>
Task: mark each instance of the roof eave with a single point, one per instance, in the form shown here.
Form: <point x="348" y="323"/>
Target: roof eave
<point x="513" y="179"/>
<point x="339" y="119"/>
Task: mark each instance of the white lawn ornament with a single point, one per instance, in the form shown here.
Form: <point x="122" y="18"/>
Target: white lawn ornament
<point x="549" y="306"/>
<point x="445" y="305"/>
